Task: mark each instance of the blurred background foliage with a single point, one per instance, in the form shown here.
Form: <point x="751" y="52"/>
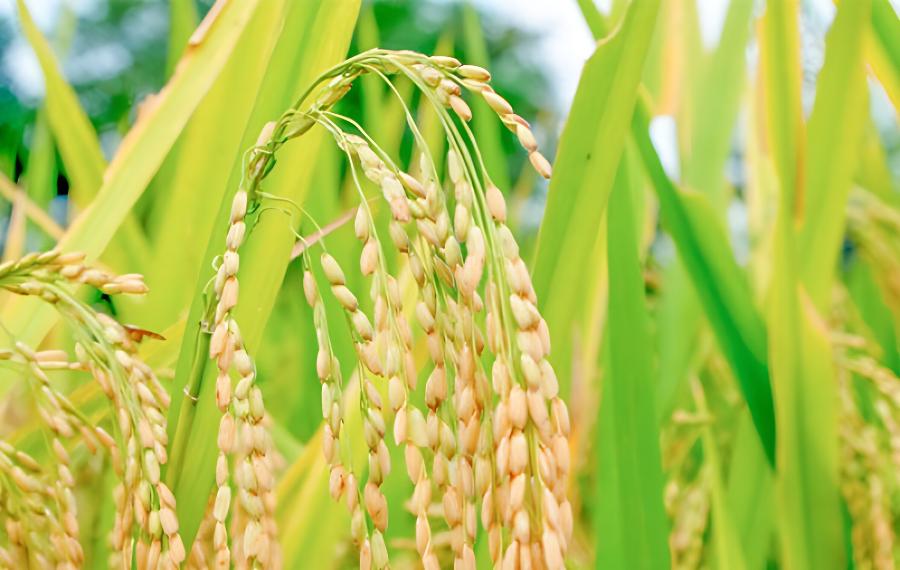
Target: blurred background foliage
<point x="704" y="186"/>
<point x="115" y="53"/>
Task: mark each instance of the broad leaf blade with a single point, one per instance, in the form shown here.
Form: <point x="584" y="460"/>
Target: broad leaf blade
<point x="835" y="135"/>
<point x="632" y="530"/>
<point x="704" y="249"/>
<point x="806" y="483"/>
<point x="723" y="292"/>
<point x="78" y="143"/>
<point x="588" y="156"/>
<point x="192" y="180"/>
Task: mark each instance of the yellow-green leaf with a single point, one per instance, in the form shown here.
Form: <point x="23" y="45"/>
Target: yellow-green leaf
<point x="806" y="483"/>
<point x="632" y="529"/>
<point x="80" y="147"/>
<point x="835" y="137"/>
<point x="586" y="163"/>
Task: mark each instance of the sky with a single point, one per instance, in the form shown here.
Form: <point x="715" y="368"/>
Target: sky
<point x="564" y="45"/>
<point x="566" y="42"/>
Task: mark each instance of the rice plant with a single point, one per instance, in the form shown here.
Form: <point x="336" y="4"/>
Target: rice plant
<point x="303" y="318"/>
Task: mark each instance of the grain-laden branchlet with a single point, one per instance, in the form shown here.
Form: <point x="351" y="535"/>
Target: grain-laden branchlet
<point x="38" y="509"/>
<point x="242" y="435"/>
<point x="535" y="387"/>
<point x="531" y="343"/>
<point x="329" y="373"/>
<point x="687" y="503"/>
<point x="439" y="254"/>
<point x="410" y="427"/>
<point x="374" y="427"/>
<point x="437" y="437"/>
<point x="869" y="456"/>
<point x="64" y="421"/>
<point x="498" y="438"/>
<point x="145" y="528"/>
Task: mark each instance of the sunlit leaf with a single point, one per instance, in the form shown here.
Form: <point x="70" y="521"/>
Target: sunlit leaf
<point x="586" y="163"/>
<point x="631" y="523"/>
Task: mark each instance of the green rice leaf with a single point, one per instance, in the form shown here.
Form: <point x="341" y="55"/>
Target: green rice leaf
<point x="77" y="140"/>
<point x="722" y="290"/>
<point x="192" y="180"/>
<point x="806" y="484"/>
<point x="836" y="128"/>
<point x="588" y="156"/>
<point x="632" y="529"/>
<point x="704" y="249"/>
<point x="883" y="51"/>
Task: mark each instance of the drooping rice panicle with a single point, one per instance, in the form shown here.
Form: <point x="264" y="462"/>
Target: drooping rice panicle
<point x="513" y="457"/>
<point x="869" y="445"/>
<point x="145" y="525"/>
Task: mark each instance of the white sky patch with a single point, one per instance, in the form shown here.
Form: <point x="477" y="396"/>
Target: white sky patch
<point x="100" y="62"/>
<point x="565" y="41"/>
<point x="20" y="63"/>
<point x="664" y="134"/>
<point x="712" y="17"/>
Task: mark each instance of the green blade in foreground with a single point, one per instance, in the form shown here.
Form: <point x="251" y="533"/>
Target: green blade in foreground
<point x="632" y="529"/>
<point x="192" y="180"/>
<point x="834" y="140"/>
<point x="711" y="116"/>
<point x="703" y="246"/>
<point x="806" y="482"/>
<point x="585" y="168"/>
<point x="75" y="136"/>
<point x="78" y="145"/>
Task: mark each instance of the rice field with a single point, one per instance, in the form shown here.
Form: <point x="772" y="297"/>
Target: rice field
<point x="341" y="294"/>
